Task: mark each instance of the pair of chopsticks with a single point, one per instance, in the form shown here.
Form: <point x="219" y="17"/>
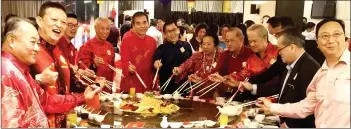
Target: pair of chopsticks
<point x="179" y="90"/>
<point x="164" y="86"/>
<point x="258" y="101"/>
<point x="154" y="81"/>
<point x="138" y="76"/>
<point x="231" y="98"/>
<point x="214" y="85"/>
<point x="196" y="85"/>
<point x="107" y="82"/>
<point x="92" y="86"/>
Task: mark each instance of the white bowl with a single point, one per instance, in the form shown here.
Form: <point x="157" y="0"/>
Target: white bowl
<point x="210" y="123"/>
<point x="91" y="116"/>
<point x="99" y="118"/>
<point x="259" y="117"/>
<point x="232" y="110"/>
<point x="105" y="126"/>
<point x="159" y="97"/>
<point x="117" y="124"/>
<point x="167" y="96"/>
<point x="176" y="97"/>
<point x="124" y="96"/>
<point x="270" y="126"/>
<point x="117" y="95"/>
<point x="175" y="124"/>
<point x="191" y="124"/>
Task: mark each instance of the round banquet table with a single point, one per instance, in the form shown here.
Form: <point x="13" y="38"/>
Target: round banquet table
<point x="189" y="111"/>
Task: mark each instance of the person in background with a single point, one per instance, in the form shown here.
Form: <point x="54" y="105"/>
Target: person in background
<point x="328" y="94"/>
<point x="180" y="22"/>
<point x="9" y="16"/>
<point x="126" y="26"/>
<point x="160" y="23"/>
<point x="309" y="32"/>
<point x="153" y="32"/>
<point x="113" y="37"/>
<point x="200" y="32"/>
<point x="248" y="23"/>
<point x="137" y="51"/>
<point x="225" y="28"/>
<point x="23" y="102"/>
<point x="264" y="19"/>
<point x="304" y="22"/>
<point x="172" y="53"/>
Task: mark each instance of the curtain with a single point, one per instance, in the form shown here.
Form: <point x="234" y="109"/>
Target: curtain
<point x="237" y="6"/>
<point x="209" y="17"/>
<point x="208" y="6"/>
<point x="22" y="9"/>
<point x="137" y="4"/>
<point x="105" y="8"/>
<point x="179" y="5"/>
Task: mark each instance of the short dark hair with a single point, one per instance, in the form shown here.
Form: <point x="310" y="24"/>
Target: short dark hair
<point x="213" y="29"/>
<point x="287" y="22"/>
<point x="50" y="4"/>
<point x="324" y="21"/>
<point x="71" y="15"/>
<point x="138" y="14"/>
<point x="226" y="25"/>
<point x="11" y="25"/>
<point x="111" y="19"/>
<point x="9" y="16"/>
<point x="127" y="18"/>
<point x="274" y="22"/>
<point x="266" y="16"/>
<point x="162" y="19"/>
<point x="292" y="36"/>
<point x="166" y="24"/>
<point x="304" y="18"/>
<point x="199" y="27"/>
<point x="153" y="22"/>
<point x="310" y="25"/>
<point x="249" y="23"/>
<point x="214" y="37"/>
<point x="182" y="29"/>
<point x="181" y="20"/>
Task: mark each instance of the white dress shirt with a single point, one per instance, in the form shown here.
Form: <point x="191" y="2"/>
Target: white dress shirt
<point x="156" y="34"/>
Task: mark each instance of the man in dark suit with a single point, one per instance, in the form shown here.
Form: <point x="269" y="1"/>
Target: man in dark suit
<point x="300" y="70"/>
<point x="126" y="26"/>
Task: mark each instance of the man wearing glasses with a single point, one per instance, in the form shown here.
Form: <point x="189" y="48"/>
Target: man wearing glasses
<point x="328" y="94"/>
<point x="299" y="72"/>
<point x="70" y="52"/>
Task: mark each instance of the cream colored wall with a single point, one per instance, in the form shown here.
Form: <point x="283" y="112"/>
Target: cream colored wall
<point x="342" y="12"/>
<point x="266" y="8"/>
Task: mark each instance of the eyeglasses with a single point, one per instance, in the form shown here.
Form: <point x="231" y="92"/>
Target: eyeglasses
<point x="327" y="36"/>
<point x="282" y="48"/>
<point x="70" y="25"/>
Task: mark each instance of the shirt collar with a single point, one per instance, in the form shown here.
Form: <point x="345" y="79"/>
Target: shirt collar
<point x="345" y="57"/>
<point x="23" y="68"/>
<point x="291" y="66"/>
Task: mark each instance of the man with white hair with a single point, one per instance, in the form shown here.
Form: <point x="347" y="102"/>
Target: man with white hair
<point x="97" y="53"/>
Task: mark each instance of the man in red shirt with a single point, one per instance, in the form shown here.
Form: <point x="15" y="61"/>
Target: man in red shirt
<point x="70" y="52"/>
<point x="137" y="52"/>
<point x="97" y="53"/>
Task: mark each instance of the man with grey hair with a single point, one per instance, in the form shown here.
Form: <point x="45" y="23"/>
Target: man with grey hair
<point x="295" y="79"/>
<point x="265" y="56"/>
<point x="97" y="53"/>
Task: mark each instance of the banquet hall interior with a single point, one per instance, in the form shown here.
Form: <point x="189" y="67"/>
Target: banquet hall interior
<point x="175" y="64"/>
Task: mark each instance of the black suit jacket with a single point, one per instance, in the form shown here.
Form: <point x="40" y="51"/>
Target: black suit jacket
<point x="295" y="88"/>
